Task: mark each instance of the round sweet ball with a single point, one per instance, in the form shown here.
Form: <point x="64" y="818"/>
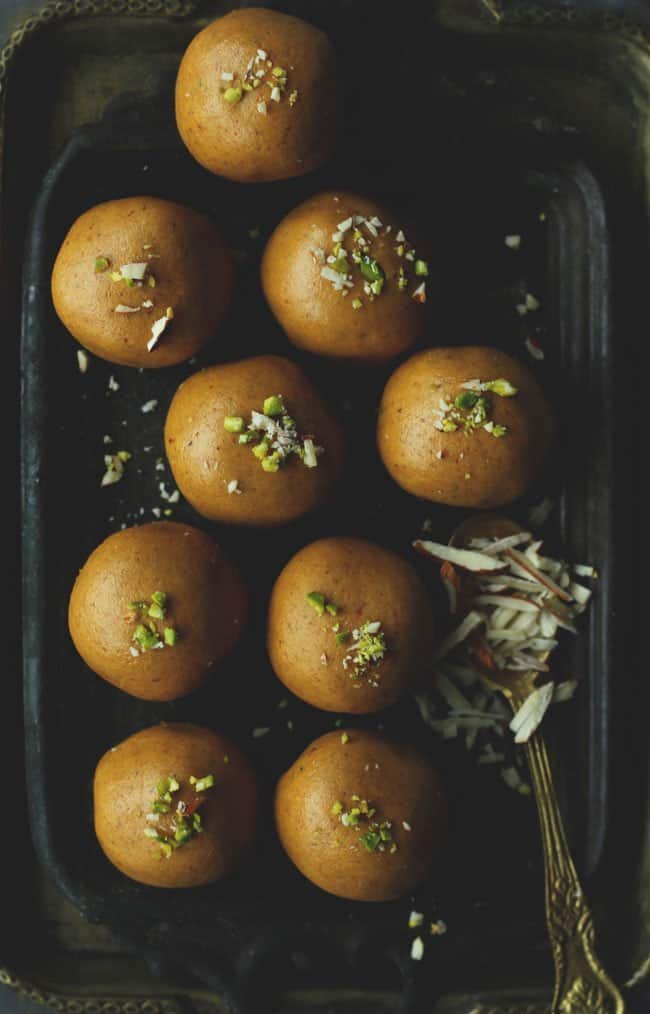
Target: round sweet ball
<point x="175" y="806"/>
<point x="155" y="608"/>
<point x="252" y="442"/>
<point x="142" y="282"/>
<point x="349" y="626"/>
<point x="345" y="280"/>
<point x="468" y="427"/>
<point x="256" y="96"/>
<point x="360" y="816"/>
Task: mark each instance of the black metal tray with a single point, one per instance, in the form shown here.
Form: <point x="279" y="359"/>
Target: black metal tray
<point x="266" y="924"/>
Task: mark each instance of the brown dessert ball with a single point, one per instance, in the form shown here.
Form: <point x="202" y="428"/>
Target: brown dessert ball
<point x="155" y="608"/>
<point x="345" y="280"/>
<point x="256" y="96"/>
<point x="175" y="806"/>
<point x="272" y="473"/>
<point x="476" y="446"/>
<point x="142" y="282"/>
<point x="360" y="816"/>
<point x="349" y="626"/>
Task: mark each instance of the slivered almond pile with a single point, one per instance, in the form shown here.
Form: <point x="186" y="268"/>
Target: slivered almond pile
<point x="510" y="602"/>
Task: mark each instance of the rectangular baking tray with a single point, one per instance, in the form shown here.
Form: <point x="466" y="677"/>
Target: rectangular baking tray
<point x="266" y="925"/>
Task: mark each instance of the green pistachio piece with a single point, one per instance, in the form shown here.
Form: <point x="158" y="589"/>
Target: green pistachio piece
<point x="204" y="783"/>
<point x="370" y="840"/>
<point x="371" y="269"/>
<point x="274" y="405"/>
<point x="261" y="450"/>
<point x="156" y="612"/>
<point x="233" y="424"/>
<point x="101" y="264"/>
<point x="233" y="95"/>
<point x="271" y="463"/>
<point x="170" y="636"/>
<point x="317" y="602"/>
<point x="503" y="388"/>
<point x="466" y="400"/>
<point x="421" y="268"/>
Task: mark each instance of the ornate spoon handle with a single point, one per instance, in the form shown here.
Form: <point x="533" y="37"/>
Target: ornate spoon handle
<point x="582" y="985"/>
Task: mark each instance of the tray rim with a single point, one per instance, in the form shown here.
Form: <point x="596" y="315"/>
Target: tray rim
<point x="534" y="15"/>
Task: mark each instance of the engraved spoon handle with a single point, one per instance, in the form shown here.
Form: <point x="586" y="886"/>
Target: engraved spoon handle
<point x="582" y="985"/>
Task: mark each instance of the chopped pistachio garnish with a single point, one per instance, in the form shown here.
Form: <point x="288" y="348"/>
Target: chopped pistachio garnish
<point x="148" y="613"/>
<point x="344" y="738"/>
<point x="174" y="826"/>
<point x="201" y="784"/>
<point x="233" y="95"/>
<point x="421" y="268"/>
<point x="101" y="264"/>
<point x="376" y="835"/>
<point x="274" y="436"/>
<point x="274" y="405"/>
<point x="471" y="409"/>
<point x="366" y="651"/>
<point x="317" y="602"/>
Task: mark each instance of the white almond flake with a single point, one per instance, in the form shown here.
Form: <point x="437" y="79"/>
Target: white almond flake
<point x="531" y="302"/>
<point x="584" y="570"/>
<point x="135" y="271"/>
<point x="82" y="360"/>
<point x="345" y="224"/>
<point x="415" y="919"/>
<point x="513" y="780"/>
<point x="233" y="486"/>
<point x="521" y="309"/>
<point x="400" y="237"/>
<point x="564" y="691"/>
<point x="531" y="713"/>
<point x="174" y="497"/>
<point x="227" y="75"/>
<point x="113" y="384"/>
<point x="156" y="511"/>
<point x="114" y="470"/>
<point x="370" y="227"/>
<point x="513" y="242"/>
<point x="106" y="439"/>
<point x="261" y="108"/>
<point x="276" y="94"/>
<point x="259" y="732"/>
<point x="157" y="329"/>
<point x="122" y="308"/>
<point x="135" y="653"/>
<point x="420" y="294"/>
<point x="406" y="825"/>
<point x="147" y="304"/>
<point x="149" y="406"/>
<point x="534" y="349"/>
<point x="417" y="949"/>
<point x="540" y="513"/>
<point x="337" y="237"/>
<point x="262" y="54"/>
